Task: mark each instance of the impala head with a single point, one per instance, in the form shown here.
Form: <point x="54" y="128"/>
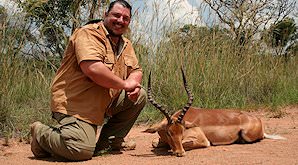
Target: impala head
<point x="173" y="131"/>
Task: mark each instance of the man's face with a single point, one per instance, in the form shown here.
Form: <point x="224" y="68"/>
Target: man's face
<point x="117" y="20"/>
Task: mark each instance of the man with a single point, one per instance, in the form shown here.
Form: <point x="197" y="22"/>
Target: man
<point x="99" y="76"/>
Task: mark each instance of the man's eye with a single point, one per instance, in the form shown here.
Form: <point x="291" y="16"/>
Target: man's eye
<point x="117" y="15"/>
<point x="127" y="19"/>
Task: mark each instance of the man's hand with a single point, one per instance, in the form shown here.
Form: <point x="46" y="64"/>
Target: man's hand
<point x="132" y="88"/>
<point x="130" y="85"/>
<point x="133" y="96"/>
<point x="134" y="77"/>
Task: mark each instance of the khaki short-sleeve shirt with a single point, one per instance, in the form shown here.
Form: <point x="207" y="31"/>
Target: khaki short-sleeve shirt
<point x="72" y="92"/>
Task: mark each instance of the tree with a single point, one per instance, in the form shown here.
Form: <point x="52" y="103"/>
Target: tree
<point x="13" y="34"/>
<point x="3" y="16"/>
<point x="282" y="36"/>
<point x="56" y="20"/>
<point x="246" y="17"/>
<point x="283" y="32"/>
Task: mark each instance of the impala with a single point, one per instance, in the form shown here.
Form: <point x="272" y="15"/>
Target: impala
<point x="192" y="127"/>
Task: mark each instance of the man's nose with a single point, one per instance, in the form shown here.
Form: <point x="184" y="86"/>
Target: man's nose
<point x="120" y="19"/>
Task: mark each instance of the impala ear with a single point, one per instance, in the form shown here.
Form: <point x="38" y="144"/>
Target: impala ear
<point x="189" y="124"/>
<point x="157" y="127"/>
<point x="183" y="122"/>
<point x="150" y="130"/>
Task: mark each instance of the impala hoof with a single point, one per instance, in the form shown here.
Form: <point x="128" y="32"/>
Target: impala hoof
<point x="180" y="154"/>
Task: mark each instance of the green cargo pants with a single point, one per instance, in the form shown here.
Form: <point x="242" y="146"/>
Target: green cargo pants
<point x="72" y="139"/>
<point x="75" y="139"/>
<point x="123" y="115"/>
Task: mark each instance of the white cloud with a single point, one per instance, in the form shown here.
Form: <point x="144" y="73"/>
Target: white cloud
<point x="10" y="6"/>
<point x="159" y="16"/>
<point x="195" y="3"/>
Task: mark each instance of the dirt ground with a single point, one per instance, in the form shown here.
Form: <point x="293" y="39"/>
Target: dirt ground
<point x="271" y="152"/>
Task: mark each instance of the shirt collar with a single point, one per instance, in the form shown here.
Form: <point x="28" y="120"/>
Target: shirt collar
<point x="122" y="44"/>
<point x="107" y="32"/>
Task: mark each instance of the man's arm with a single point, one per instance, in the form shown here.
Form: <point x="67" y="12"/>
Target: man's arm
<point x="102" y="76"/>
<point x="136" y="75"/>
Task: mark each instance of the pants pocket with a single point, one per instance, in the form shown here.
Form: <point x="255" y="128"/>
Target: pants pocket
<point x="70" y="129"/>
<point x="77" y="133"/>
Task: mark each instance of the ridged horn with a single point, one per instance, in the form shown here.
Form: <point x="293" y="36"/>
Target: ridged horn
<point x="152" y="101"/>
<point x="190" y="98"/>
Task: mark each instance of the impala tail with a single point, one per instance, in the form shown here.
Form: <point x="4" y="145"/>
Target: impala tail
<point x="274" y="136"/>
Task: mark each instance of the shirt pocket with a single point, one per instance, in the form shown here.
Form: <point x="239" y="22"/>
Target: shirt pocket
<point x="109" y="60"/>
<point x="131" y="62"/>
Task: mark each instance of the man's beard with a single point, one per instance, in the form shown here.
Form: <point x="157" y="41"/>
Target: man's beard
<point x="112" y="34"/>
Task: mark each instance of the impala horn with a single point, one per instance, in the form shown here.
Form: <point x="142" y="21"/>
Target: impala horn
<point x="190" y="99"/>
<point x="158" y="106"/>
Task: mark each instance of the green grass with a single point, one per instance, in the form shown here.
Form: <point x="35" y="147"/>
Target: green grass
<point x="221" y="78"/>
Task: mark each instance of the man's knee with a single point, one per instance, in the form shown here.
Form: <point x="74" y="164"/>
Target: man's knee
<point x="76" y="154"/>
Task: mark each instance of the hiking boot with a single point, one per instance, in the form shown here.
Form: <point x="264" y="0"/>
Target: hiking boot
<point x="102" y="147"/>
<point x="35" y="147"/>
<point x="114" y="144"/>
<point x="119" y="144"/>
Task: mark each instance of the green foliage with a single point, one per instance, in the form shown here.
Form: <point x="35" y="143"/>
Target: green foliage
<point x="24" y="96"/>
<point x="24" y="87"/>
<point x="53" y="18"/>
<point x="56" y="20"/>
<point x="293" y="48"/>
<point x="3" y="15"/>
<point x="282" y="32"/>
<point x="217" y="75"/>
<point x="50" y="12"/>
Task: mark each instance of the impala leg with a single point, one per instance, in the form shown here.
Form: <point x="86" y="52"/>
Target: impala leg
<point x="253" y="129"/>
<point x="194" y="138"/>
<point x="158" y="143"/>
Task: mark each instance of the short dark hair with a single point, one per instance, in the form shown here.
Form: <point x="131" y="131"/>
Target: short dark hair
<point x="121" y="2"/>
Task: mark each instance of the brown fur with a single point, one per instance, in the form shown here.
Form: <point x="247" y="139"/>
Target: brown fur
<point x="205" y="127"/>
